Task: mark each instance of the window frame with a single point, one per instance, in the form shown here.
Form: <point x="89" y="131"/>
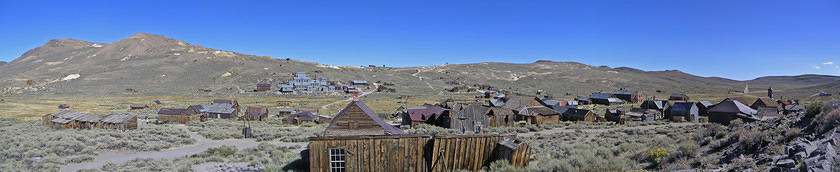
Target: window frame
<point x="338" y="160"/>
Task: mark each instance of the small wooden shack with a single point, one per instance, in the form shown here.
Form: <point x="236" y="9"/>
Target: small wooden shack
<point x="414" y="152"/>
<point x="538" y="115"/>
<point x="500" y="117"/>
<point x="575" y="114"/>
<point x="255" y="113"/>
<point x="285" y="103"/>
<point x="69" y="119"/>
<point x="263" y="87"/>
<point x="683" y="112"/>
<point x="139" y="106"/>
<point x="177" y="115"/>
<point x="678" y="97"/>
<point x="300" y="118"/>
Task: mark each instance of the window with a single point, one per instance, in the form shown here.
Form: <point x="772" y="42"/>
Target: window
<point x="337" y="160"/>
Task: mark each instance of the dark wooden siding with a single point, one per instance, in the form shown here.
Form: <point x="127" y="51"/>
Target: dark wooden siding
<point x="414" y="152"/>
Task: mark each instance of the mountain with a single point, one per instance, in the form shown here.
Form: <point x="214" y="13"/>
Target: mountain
<point x="157" y="65"/>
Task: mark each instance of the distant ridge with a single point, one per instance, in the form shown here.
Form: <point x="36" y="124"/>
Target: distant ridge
<point x="157" y="65"/>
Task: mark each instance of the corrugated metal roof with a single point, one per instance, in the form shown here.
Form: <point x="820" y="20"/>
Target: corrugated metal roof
<point x="600" y="96"/>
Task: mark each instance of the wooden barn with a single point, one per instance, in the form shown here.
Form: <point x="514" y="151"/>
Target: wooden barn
<point x="627" y="96"/>
<point x="516" y="103"/>
<point x="538" y="115"/>
<point x="655" y="104"/>
<point x="601" y="98"/>
<point x="575" y="114"/>
<point x="703" y="107"/>
<point x="357" y="119"/>
<point x="255" y="113"/>
<point x="177" y="115"/>
<point x="419" y="153"/>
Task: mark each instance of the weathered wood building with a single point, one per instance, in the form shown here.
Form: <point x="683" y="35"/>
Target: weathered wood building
<point x="683" y="112"/>
<point x="574" y="114"/>
<point x="729" y="110"/>
<point x="538" y="115"/>
<point x="255" y="113"/>
<point x="263" y="87"/>
<point x="413" y="152"/>
<point x="177" y="115"/>
<point x="69" y="119"/>
<point x="357" y="119"/>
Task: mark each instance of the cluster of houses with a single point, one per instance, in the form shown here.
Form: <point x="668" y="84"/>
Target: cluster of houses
<point x="357" y="139"/>
<point x="65" y="119"/>
<point x="218" y="108"/>
<point x="300" y="82"/>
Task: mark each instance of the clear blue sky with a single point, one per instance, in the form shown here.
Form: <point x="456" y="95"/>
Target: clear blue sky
<point x="737" y="39"/>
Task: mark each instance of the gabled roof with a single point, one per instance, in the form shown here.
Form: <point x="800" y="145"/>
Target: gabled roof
<point x="117" y="118"/>
<point x="575" y="112"/>
<point x="170" y="111"/>
<point x="256" y="111"/>
<point x="765" y="113"/>
<point x="197" y="108"/>
<point x="766" y="101"/>
<point x="563" y="109"/>
<point x="537" y="110"/>
<point x="497" y="103"/>
<point x="499" y="111"/>
<point x="389" y="129"/>
<point x="519" y="102"/>
<point x="615" y="100"/>
<point x="654" y="104"/>
<point x="705" y="104"/>
<point x="423" y="113"/>
<point x="733" y="106"/>
<point x="219" y="108"/>
<point x="600" y="95"/>
<point x="304" y="116"/>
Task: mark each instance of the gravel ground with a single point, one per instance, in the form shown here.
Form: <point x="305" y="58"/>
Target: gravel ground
<point x="202" y="145"/>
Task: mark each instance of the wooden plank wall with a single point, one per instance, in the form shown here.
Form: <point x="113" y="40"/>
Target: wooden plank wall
<point x="462" y="152"/>
<point x="413" y="153"/>
<point x="371" y="154"/>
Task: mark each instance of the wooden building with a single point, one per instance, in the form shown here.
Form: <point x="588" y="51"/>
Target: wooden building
<point x="429" y="114"/>
<point x="729" y="110"/>
<point x="500" y="117"/>
<point x="221" y="111"/>
<point x="683" y="112"/>
<point x="575" y="114"/>
<point x="119" y="122"/>
<point x="516" y="103"/>
<point x="678" y="97"/>
<point x="263" y="87"/>
<point x="703" y="107"/>
<point x="255" y="113"/>
<point x="538" y="115"/>
<point x="177" y="115"/>
<point x="233" y="103"/>
<point x="419" y="153"/>
<point x="763" y="102"/>
<point x="65" y="119"/>
<point x="616" y="115"/>
<point x="357" y="119"/>
<point x="285" y="103"/>
<point x="471" y="118"/>
<point x="139" y="106"/>
<point x="300" y="118"/>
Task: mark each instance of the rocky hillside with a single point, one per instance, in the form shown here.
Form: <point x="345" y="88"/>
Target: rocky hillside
<point x="156" y="65"/>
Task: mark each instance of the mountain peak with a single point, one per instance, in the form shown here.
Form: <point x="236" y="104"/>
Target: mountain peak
<point x="144" y="35"/>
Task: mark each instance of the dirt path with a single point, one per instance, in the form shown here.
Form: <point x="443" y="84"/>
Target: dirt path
<point x="201" y="145"/>
<point x="375" y="86"/>
<point x="596" y="131"/>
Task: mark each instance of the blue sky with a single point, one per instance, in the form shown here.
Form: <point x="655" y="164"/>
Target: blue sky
<point x="734" y="39"/>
